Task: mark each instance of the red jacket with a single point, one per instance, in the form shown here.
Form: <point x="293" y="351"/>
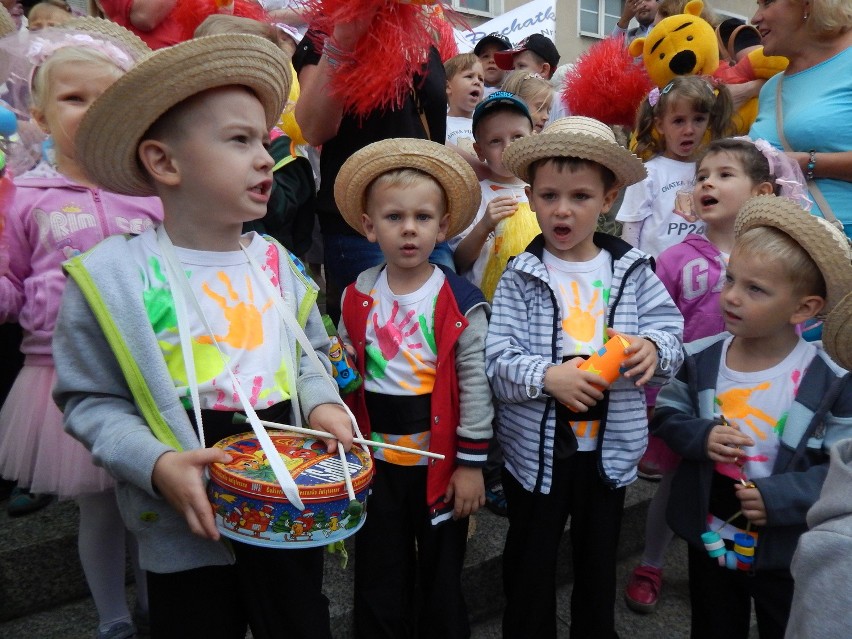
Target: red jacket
<point x="456" y="294"/>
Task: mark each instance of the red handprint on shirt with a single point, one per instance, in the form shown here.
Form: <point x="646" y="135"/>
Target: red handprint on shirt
<point x="389" y="338"/>
<point x="390" y="335"/>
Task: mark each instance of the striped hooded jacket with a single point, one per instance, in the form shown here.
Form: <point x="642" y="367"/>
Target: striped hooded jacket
<point x="525" y="338"/>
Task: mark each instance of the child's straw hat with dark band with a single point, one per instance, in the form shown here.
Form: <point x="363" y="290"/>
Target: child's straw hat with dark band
<point x="111" y="130"/>
<point x="129" y="41"/>
<point x="837" y="332"/>
<point x="827" y="246"/>
<point x="450" y="170"/>
<point x="576" y="137"/>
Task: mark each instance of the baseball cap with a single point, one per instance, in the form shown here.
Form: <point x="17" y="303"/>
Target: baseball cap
<point x="537" y="43"/>
<point x="501" y="101"/>
<point x="492" y="38"/>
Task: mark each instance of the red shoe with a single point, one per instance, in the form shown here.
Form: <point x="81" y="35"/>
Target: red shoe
<point x="643" y="591"/>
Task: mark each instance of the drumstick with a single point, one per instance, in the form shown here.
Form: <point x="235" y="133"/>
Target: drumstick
<point x="354" y="508"/>
<point x="239" y="418"/>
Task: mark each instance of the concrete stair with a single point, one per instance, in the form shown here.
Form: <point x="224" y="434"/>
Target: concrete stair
<point x="43" y="592"/>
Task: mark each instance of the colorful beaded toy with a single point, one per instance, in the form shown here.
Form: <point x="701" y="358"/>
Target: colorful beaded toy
<point x="742" y="556"/>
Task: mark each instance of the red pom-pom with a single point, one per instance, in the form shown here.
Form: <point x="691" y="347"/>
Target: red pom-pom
<point x="379" y="72"/>
<point x="606" y="84"/>
<point x="445" y="37"/>
<point x="191" y="13"/>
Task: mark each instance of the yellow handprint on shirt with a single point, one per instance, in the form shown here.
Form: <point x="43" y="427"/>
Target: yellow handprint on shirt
<point x="580" y="324"/>
<point x="245" y="325"/>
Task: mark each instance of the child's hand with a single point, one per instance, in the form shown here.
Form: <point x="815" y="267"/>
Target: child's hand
<point x="179" y="478"/>
<point x="642" y="360"/>
<point x="467" y="491"/>
<point x="499" y="209"/>
<point x="350" y="350"/>
<point x="333" y="419"/>
<point x="751" y="503"/>
<point x="578" y="390"/>
<point x="724" y="442"/>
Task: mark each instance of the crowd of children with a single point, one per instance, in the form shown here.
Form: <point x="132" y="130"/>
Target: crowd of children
<point x="150" y="261"/>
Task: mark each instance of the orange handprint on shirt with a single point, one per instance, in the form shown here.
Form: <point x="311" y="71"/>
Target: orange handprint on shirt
<point x="580" y="324"/>
<point x="422" y="372"/>
<point x="245" y="326"/>
<point x="735" y="406"/>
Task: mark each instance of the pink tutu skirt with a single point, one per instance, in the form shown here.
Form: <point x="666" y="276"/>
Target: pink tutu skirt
<point x="34" y="448"/>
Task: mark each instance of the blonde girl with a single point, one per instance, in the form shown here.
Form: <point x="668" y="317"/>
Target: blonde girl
<point x="57" y="213"/>
<point x="672" y="126"/>
<point x="535" y="91"/>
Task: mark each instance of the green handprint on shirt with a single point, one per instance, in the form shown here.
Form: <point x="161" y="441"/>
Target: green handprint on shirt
<point x="158" y="300"/>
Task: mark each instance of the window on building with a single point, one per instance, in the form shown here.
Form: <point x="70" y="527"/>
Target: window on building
<point x="598" y="17"/>
<point x="478" y="7"/>
<point x="722" y="14"/>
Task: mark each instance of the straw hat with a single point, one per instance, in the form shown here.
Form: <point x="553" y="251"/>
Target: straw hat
<point x="577" y="137"/>
<point x="7" y="22"/>
<point x="837" y="333"/>
<point x="451" y="171"/>
<point x="129" y="41"/>
<point x="827" y="246"/>
<point x="110" y="132"/>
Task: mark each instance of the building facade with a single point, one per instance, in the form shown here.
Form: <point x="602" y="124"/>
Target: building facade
<point x="580" y="23"/>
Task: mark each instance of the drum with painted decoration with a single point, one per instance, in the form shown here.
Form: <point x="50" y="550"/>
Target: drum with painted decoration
<point x="250" y="506"/>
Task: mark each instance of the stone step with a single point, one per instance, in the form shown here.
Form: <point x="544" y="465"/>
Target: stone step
<point x="43" y="593"/>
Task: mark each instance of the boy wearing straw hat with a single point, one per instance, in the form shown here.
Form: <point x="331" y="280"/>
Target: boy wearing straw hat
<point x="754" y="412"/>
<point x="418" y="331"/>
<point x="163" y="337"/>
<point x="572" y="442"/>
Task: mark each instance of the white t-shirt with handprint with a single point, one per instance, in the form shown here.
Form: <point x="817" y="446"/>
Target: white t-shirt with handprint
<point x="401" y="354"/>
<point x="244" y="320"/>
<point x="582" y="290"/>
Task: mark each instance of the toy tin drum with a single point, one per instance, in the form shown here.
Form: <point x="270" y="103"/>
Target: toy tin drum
<point x="250" y="506"/>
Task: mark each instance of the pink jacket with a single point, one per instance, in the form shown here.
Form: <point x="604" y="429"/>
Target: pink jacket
<point x="693" y="272"/>
<point x="52" y="219"/>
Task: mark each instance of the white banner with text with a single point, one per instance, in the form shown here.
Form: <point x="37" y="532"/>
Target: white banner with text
<point x="538" y="16"/>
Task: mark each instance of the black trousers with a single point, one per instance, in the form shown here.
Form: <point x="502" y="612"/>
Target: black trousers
<point x="407" y="571"/>
<point x="277" y="593"/>
<point x="721" y="599"/>
<point x="536" y="525"/>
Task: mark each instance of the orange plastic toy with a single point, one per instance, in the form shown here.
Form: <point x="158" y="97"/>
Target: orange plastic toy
<point x="608" y="360"/>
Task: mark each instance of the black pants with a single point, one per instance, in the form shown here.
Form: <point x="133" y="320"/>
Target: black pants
<point x="277" y="593"/>
<point x="721" y="599"/>
<point x="407" y="571"/>
<point x="536" y="525"/>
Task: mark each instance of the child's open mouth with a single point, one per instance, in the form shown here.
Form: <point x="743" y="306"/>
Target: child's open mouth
<point x="261" y="191"/>
<point x="707" y="200"/>
<point x="562" y="231"/>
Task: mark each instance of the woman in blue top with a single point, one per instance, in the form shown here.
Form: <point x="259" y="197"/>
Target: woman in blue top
<point x="816" y="95"/>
